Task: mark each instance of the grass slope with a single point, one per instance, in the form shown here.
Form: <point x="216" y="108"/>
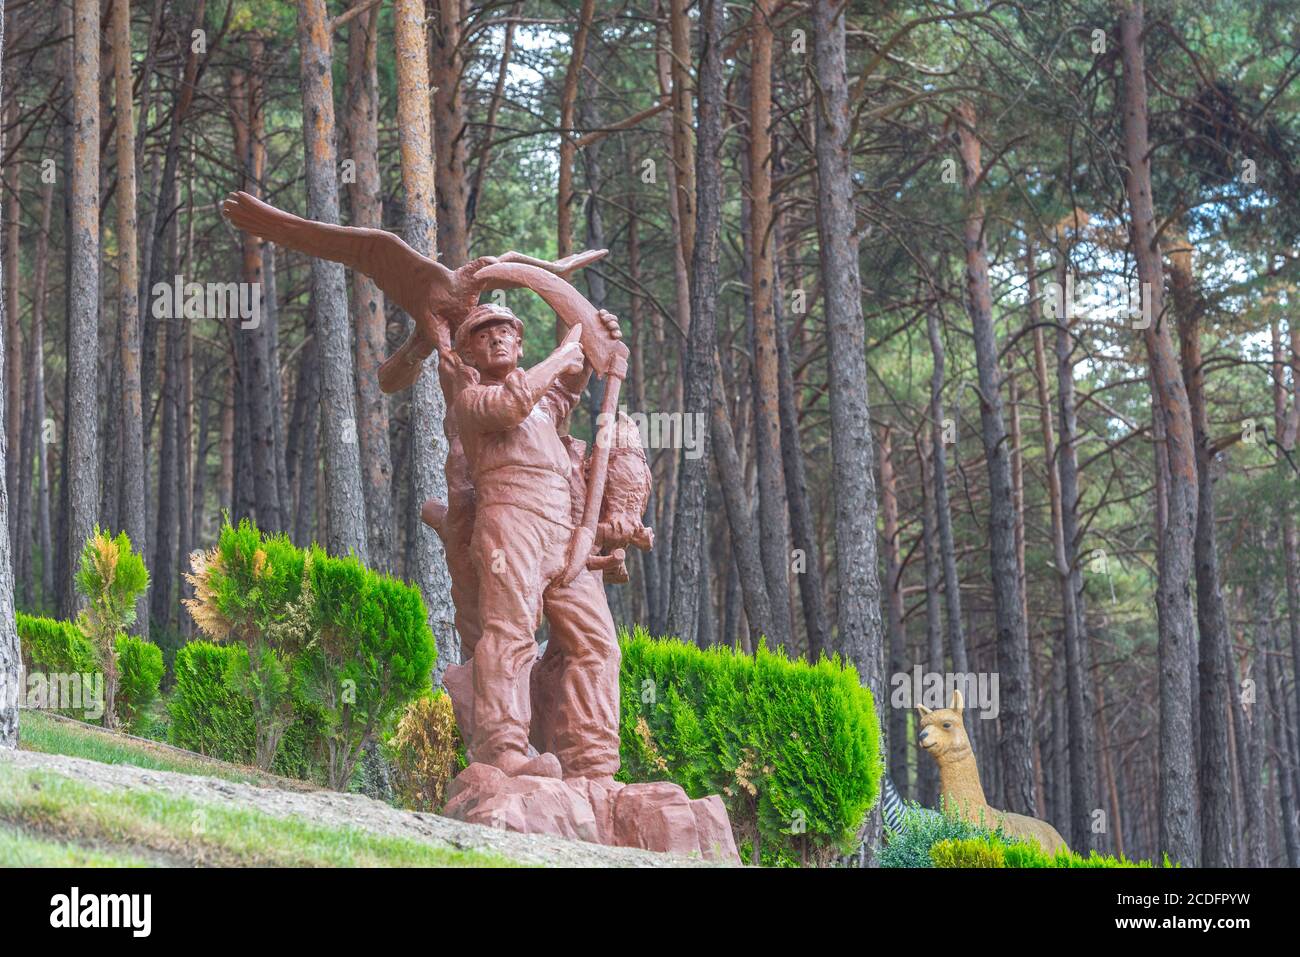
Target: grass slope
<point x="52" y="734"/>
<point x="49" y="819"/>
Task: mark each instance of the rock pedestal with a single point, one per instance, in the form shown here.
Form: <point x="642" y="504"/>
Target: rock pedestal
<point x="655" y="816"/>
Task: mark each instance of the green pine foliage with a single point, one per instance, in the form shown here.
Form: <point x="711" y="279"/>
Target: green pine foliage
<point x="793" y="748"/>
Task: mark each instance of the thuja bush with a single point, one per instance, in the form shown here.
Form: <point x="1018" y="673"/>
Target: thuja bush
<point x="59" y="661"/>
<point x="991" y="851"/>
<point x="64" y="658"/>
<point x="332" y="651"/>
<point x="208" y="713"/>
<point x="793" y="748"/>
<point x="211" y="714"/>
<point x="923" y="829"/>
<point x="140" y="671"/>
<point x="371" y="652"/>
<point x="247" y="590"/>
<point x="110" y="577"/>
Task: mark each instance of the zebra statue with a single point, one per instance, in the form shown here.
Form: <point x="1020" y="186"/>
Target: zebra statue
<point x="892" y="811"/>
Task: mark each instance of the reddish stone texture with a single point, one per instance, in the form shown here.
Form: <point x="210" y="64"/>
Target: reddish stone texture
<point x="655" y="816"/>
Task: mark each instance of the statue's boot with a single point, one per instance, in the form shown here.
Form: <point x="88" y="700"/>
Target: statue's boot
<point x="545" y="765"/>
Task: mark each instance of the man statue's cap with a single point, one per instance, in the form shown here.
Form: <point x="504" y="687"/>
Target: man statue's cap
<point x="481" y="315"/>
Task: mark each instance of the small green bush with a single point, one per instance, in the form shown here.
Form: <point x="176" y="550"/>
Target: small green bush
<point x="989" y="851"/>
<point x="211" y="714"/>
<point x="140" y="671"/>
<point x="55" y="648"/>
<point x="793" y="748"/>
<point x="61" y="648"/>
<point x="208" y="714"/>
<point x="371" y="652"/>
<point x="111" y="577"/>
<point x="923" y="829"/>
<point x="247" y="589"/>
<point x="52" y="645"/>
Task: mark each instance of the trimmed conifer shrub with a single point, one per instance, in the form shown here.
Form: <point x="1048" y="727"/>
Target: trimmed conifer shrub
<point x="793" y="748"/>
<point x="990" y="851"/>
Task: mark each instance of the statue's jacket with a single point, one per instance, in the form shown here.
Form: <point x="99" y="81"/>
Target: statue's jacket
<point x="512" y="442"/>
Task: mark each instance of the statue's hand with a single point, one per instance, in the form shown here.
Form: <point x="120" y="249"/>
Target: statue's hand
<point x="610" y="322"/>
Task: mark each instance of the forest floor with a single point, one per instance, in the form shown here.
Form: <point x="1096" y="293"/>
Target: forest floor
<point x="77" y="796"/>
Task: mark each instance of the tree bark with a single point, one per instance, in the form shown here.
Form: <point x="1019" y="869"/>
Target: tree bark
<point x="1178" y="835"/>
<point x="367" y="299"/>
<point x="690" y="588"/>
<point x="943" y="512"/>
<point x="13" y="330"/>
<point x="429" y="443"/>
<point x="1216" y="690"/>
<point x="450" y="132"/>
<point x="731" y="476"/>
<point x="933" y="659"/>
<point x="345" y="503"/>
<point x="1084" y="796"/>
<point x="10" y="652"/>
<point x="36" y="590"/>
<point x="897" y="731"/>
<point x="1016" y="746"/>
<point x="133" y="520"/>
<point x="773" y="518"/>
<point x="812" y="588"/>
<point x="82" y="472"/>
<point x="860" y="631"/>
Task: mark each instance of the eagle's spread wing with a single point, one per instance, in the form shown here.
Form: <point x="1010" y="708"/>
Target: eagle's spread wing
<point x="412" y="281"/>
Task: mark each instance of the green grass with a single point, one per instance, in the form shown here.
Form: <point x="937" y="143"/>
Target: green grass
<point x="18" y="849"/>
<point x="47" y="818"/>
<point x="50" y="734"/>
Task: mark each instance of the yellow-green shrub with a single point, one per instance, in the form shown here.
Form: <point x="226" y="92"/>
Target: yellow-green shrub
<point x="425" y="753"/>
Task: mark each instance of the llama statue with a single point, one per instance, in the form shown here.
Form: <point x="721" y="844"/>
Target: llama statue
<point x="943" y="735"/>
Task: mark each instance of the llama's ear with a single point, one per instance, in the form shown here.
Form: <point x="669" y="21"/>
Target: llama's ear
<point x="957" y="704"/>
<point x="923" y="709"/>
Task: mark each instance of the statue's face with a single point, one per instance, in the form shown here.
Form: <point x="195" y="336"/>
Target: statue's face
<point x="494" y="349"/>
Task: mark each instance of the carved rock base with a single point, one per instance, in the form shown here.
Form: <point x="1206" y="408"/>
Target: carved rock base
<point x="655" y="816"/>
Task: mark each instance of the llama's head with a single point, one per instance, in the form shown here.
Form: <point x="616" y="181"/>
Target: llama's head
<point x="942" y="732"/>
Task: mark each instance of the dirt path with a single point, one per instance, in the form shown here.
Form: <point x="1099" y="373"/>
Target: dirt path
<point x="335" y="809"/>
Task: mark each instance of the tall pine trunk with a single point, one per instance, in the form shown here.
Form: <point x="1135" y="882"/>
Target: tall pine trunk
<point x="367" y="299"/>
<point x="82" y="469"/>
<point x="772" y="510"/>
<point x="1016" y="746"/>
<point x="860" y="633"/>
<point x="344" y="502"/>
<point x="1178" y="835"/>
<point x="10" y="656"/>
<point x="1084" y="797"/>
<point x="132" y="513"/>
<point x="428" y="405"/>
<point x="690" y="590"/>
